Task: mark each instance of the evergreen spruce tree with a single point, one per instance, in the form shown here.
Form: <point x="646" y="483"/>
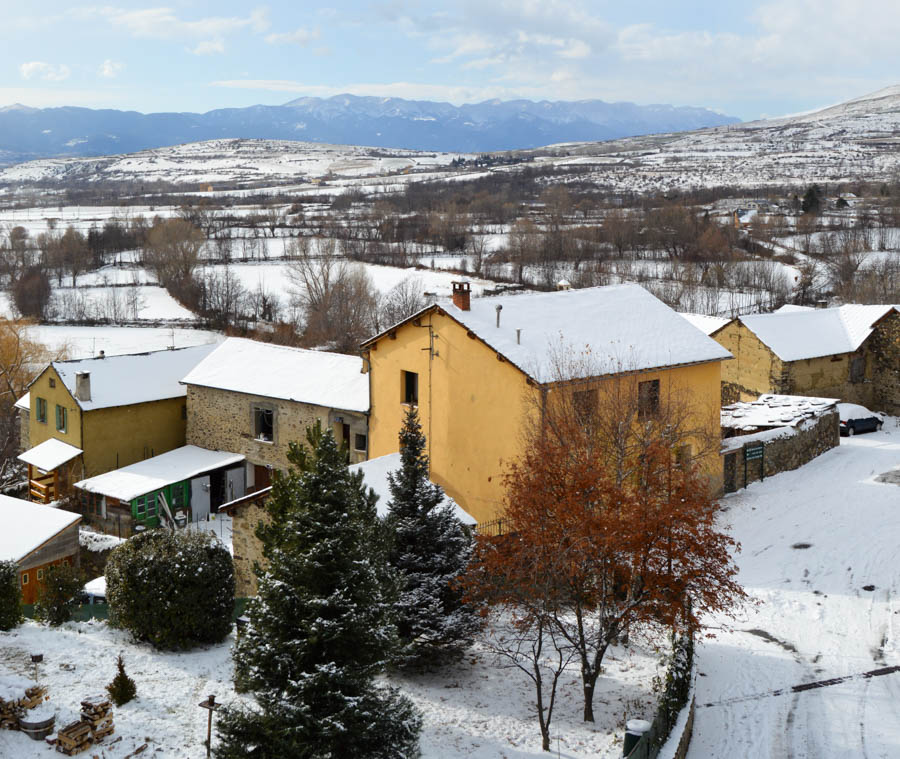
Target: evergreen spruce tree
<point x="322" y="626"/>
<point x="430" y="549"/>
<point x="122" y="689"/>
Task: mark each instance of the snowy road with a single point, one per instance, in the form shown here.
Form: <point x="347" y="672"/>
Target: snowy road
<point x="820" y="554"/>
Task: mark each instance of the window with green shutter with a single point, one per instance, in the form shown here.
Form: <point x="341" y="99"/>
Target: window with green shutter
<point x="40" y="410"/>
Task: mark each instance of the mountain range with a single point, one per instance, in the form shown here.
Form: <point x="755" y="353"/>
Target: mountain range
<point x="27" y="133"/>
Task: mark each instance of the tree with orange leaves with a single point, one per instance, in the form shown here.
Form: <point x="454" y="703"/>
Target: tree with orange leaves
<point x="610" y="520"/>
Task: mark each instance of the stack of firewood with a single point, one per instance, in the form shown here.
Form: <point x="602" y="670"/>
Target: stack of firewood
<point x="97" y="712"/>
<point x="74" y="738"/>
<point x="12" y="707"/>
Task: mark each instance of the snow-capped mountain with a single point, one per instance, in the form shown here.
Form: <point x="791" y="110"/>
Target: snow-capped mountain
<point x="344" y="119"/>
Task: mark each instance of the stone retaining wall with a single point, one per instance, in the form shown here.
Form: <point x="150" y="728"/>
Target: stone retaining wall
<point x="784" y="449"/>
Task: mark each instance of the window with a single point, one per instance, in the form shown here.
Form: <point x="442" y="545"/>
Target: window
<point x="857" y="369"/>
<point x="264" y="423"/>
<point x="683" y="455"/>
<point x="584" y="403"/>
<point x="410" y="388"/>
<point x="52" y="382"/>
<point x="40" y="409"/>
<point x="40" y="576"/>
<point x="24" y="578"/>
<point x="62" y="418"/>
<point x="359" y="442"/>
<point x="648" y="398"/>
<point x="140" y="507"/>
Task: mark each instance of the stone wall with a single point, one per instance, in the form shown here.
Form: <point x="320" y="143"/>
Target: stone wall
<point x="885" y="348"/>
<point x="224" y="420"/>
<point x="785" y="449"/>
<point x="246" y="546"/>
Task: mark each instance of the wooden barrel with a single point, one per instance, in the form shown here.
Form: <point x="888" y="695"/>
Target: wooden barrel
<point x="37" y="730"/>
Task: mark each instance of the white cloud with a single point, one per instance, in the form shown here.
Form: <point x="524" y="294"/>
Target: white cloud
<point x="209" y="47"/>
<point x="110" y="69"/>
<point x="47" y="71"/>
<point x="301" y="36"/>
<point x="163" y="23"/>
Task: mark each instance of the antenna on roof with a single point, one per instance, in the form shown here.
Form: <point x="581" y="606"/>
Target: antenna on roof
<point x="499" y="309"/>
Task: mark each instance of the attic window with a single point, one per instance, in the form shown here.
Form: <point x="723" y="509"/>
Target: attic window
<point x="52" y="382"/>
<point x="264" y="423"/>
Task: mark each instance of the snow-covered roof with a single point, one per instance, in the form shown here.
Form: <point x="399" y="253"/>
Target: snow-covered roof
<point x="795" y="335"/>
<point x="50" y="454"/>
<point x="375" y="472"/>
<point x="24" y="402"/>
<point x="135" y="480"/>
<point x="332" y="380"/>
<point x="589" y="332"/>
<point x="28" y="525"/>
<point x="788" y="308"/>
<point x="772" y="410"/>
<point x="706" y="324"/>
<point x="134" y="378"/>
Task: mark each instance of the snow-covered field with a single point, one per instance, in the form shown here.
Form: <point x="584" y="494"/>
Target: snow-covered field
<point x="820" y="555"/>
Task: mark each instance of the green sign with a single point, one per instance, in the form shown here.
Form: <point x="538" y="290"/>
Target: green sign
<point x="753" y="452"/>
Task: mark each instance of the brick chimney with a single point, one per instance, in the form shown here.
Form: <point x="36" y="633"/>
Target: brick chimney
<point x="83" y="386"/>
<point x="461" y="295"/>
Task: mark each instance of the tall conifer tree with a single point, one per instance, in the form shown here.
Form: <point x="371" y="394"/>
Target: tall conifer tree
<point x="430" y="549"/>
<point x="322" y="626"/>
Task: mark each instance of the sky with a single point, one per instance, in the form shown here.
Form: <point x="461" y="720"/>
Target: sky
<point x="751" y="59"/>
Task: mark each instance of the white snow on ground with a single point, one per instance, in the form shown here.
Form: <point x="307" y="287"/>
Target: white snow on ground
<point x="816" y="619"/>
<point x="472" y="710"/>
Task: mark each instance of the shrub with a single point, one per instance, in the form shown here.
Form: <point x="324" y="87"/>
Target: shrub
<point x="10" y="595"/>
<point x="122" y="688"/>
<point x="174" y="590"/>
<point x="58" y="595"/>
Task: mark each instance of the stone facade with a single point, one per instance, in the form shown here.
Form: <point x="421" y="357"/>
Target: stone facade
<point x="225" y="420"/>
<point x="885" y="349"/>
<point x="246" y="515"/>
<point x="869" y="376"/>
<point x="785" y="449"/>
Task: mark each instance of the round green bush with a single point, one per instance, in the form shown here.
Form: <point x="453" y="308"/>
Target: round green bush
<point x="174" y="590"/>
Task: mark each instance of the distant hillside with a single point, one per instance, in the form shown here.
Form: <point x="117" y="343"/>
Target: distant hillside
<point x="27" y="133"/>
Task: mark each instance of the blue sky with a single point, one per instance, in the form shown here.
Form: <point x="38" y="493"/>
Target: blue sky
<point x="748" y="59"/>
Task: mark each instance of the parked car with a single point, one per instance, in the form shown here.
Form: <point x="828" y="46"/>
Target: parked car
<point x="855" y="418"/>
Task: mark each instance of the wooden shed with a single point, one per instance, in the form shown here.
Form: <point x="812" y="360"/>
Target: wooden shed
<point x="36" y="537"/>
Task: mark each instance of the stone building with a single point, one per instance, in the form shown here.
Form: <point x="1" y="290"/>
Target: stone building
<point x="255" y="398"/>
<point x="851" y="353"/>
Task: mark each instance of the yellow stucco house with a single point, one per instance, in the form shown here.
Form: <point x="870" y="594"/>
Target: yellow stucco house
<point x="476" y="368"/>
<point x="90" y="416"/>
<point x="851" y="352"/>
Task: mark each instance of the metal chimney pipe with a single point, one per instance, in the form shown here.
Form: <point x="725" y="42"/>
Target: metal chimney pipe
<point x="518" y="337"/>
<point x="499" y="309"/>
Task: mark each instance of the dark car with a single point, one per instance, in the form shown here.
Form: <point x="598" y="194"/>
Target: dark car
<point x="856" y="419"/>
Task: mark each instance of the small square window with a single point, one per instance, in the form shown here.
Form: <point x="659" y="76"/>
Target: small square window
<point x="40" y="409"/>
<point x="359" y="442"/>
<point x="263" y="423"/>
<point x="410" y="388"/>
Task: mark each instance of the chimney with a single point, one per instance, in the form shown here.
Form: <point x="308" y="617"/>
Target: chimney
<point x="518" y="337"/>
<point x="83" y="386"/>
<point x="499" y="309"/>
<point x="461" y="295"/>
